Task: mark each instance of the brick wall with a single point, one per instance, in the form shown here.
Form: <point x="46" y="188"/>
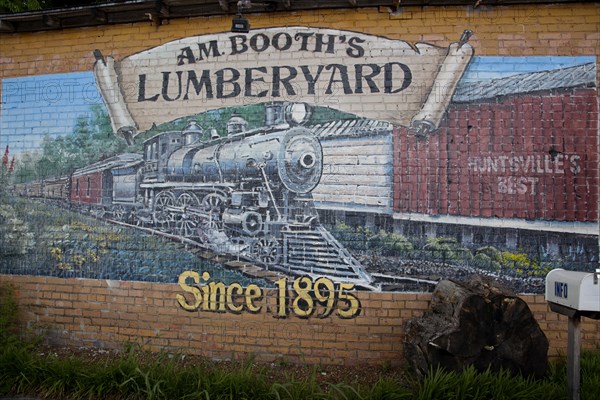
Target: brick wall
<point x="101" y="313"/>
<point x="561" y="29"/>
<point x="108" y="313"/>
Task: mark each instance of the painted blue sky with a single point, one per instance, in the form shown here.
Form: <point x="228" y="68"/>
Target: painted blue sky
<point x="33" y="107"/>
<point x="484" y="68"/>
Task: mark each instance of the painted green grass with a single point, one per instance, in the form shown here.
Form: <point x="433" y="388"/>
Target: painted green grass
<point x="70" y="244"/>
<point x="449" y="250"/>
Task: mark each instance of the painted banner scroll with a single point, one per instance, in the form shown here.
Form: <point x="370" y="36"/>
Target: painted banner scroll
<point x="369" y="76"/>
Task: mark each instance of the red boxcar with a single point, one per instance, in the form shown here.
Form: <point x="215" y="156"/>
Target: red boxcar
<point x="93" y="184"/>
<point x="91" y="187"/>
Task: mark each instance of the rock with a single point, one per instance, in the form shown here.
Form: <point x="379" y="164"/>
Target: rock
<point x="476" y="323"/>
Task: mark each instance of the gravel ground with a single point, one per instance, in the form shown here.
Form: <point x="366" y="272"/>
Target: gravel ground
<point x="407" y="272"/>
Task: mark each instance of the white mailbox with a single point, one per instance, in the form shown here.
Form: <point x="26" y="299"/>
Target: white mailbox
<point x="579" y="291"/>
<point x="574" y="294"/>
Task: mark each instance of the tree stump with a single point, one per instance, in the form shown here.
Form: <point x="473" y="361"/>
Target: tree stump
<point x="476" y="323"/>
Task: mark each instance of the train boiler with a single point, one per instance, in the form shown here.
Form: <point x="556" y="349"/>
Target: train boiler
<point x="246" y="194"/>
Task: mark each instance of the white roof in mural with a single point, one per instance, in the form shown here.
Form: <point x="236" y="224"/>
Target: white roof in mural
<point x="353" y="127"/>
<point x="580" y="75"/>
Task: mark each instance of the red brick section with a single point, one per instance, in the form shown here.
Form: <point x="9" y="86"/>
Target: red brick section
<point x="100" y="313"/>
<point x="532" y="156"/>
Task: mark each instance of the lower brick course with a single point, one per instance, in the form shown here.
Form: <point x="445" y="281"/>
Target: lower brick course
<point x="65" y="313"/>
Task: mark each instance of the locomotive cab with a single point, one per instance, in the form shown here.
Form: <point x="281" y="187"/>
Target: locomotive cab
<point x="157" y="151"/>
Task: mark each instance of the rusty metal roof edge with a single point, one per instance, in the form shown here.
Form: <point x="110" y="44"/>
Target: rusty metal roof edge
<point x="51" y="19"/>
<point x="70" y="10"/>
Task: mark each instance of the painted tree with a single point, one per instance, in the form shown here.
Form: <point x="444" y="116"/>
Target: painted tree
<point x="92" y="139"/>
<point x="15" y="238"/>
<point x="6" y="171"/>
<point x="104" y="143"/>
<point x="25" y="168"/>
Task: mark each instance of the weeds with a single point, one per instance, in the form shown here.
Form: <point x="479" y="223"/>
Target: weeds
<point x="132" y="376"/>
<point x="8" y="312"/>
<point x="135" y="374"/>
<point x="470" y="384"/>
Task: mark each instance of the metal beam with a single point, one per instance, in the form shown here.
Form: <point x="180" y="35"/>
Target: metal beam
<point x="51" y="21"/>
<point x="128" y="11"/>
<point x="6" y="26"/>
<point x="99" y="16"/>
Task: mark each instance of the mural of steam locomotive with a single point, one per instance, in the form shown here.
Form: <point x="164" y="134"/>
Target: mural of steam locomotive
<point x="246" y="194"/>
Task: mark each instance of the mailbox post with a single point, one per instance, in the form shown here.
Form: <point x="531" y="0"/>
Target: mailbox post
<point x="574" y="294"/>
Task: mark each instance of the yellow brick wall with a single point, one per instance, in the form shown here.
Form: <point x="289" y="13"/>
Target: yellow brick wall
<point x="94" y="312"/>
<point x="101" y="313"/>
<point x="565" y="30"/>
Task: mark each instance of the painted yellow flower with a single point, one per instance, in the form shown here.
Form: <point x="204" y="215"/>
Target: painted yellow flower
<point x="65" y="266"/>
<point x="57" y="253"/>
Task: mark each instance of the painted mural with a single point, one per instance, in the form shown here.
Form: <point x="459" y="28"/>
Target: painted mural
<point x="318" y="160"/>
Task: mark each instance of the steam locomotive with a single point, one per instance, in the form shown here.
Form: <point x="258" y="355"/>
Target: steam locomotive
<point x="246" y="194"/>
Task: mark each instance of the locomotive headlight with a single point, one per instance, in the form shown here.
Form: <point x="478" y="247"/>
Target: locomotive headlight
<point x="307" y="160"/>
<point x="300" y="160"/>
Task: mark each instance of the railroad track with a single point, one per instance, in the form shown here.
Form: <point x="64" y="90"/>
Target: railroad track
<point x="252" y="270"/>
<point x="201" y="250"/>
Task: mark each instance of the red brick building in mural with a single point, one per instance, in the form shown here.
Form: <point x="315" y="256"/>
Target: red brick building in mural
<point x="518" y="148"/>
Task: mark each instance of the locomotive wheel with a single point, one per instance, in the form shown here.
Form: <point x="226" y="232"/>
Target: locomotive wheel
<point x="266" y="250"/>
<point x="118" y="213"/>
<point x="187" y="225"/>
<point x="213" y="202"/>
<point x="162" y="216"/>
<point x="205" y="228"/>
<point x="212" y="223"/>
<point x="187" y="199"/>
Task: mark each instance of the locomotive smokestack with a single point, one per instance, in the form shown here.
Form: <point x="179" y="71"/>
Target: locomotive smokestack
<point x="274" y="113"/>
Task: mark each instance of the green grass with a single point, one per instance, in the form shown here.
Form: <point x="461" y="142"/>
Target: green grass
<point x="135" y="374"/>
<point x="23" y="372"/>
